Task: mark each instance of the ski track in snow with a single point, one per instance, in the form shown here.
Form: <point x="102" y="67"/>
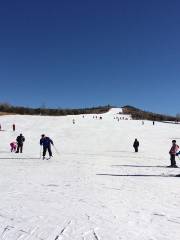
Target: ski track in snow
<point x="95" y="187"/>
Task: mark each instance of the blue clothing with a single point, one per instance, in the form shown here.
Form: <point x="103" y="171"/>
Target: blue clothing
<point x="177" y="154"/>
<point x="46" y="142"/>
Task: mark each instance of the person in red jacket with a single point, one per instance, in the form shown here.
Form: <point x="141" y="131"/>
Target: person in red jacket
<point x="173" y="151"/>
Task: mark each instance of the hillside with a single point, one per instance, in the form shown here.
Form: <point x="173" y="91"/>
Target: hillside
<point x="135" y="113"/>
<point x="95" y="187"/>
<point x="140" y="114"/>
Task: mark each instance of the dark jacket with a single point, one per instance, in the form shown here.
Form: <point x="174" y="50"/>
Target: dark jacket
<point x="136" y="144"/>
<point x="46" y="142"/>
<point x="20" y="139"/>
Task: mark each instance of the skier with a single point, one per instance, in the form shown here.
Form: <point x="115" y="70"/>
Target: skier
<point x="20" y="140"/>
<point x="14" y="127"/>
<point x="46" y="143"/>
<point x="0" y="127"/>
<point x="136" y="145"/>
<point x="13" y="146"/>
<point x="173" y="152"/>
<point x="73" y="121"/>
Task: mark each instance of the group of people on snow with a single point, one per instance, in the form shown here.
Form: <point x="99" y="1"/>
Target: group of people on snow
<point x="13" y="127"/>
<point x="17" y="146"/>
<point x="45" y="142"/>
<point x="174" y="151"/>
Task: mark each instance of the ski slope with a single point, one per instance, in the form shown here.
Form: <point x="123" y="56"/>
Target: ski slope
<point x="95" y="187"/>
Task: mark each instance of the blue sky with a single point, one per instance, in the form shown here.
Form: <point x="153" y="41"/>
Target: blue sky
<point x="67" y="53"/>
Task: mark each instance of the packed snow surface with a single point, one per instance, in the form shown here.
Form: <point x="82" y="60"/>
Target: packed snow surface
<point x="95" y="187"/>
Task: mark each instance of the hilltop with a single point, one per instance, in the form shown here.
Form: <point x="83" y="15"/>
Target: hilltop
<point x="135" y="113"/>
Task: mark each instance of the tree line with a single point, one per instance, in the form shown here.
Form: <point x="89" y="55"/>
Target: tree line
<point x="145" y="115"/>
<point x="9" y="109"/>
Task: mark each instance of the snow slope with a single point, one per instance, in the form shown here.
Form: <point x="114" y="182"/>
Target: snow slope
<point x="95" y="187"/>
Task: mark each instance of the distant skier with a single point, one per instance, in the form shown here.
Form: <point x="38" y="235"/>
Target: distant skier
<point x="73" y="121"/>
<point x="153" y="122"/>
<point x="13" y="146"/>
<point x="173" y="151"/>
<point x="14" y="127"/>
<point x="0" y="127"/>
<point x="20" y="141"/>
<point x="46" y="142"/>
<point x="136" y="145"/>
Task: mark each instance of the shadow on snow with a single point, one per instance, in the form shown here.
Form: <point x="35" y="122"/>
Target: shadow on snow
<point x="136" y="175"/>
<point x="19" y="158"/>
<point x="138" y="166"/>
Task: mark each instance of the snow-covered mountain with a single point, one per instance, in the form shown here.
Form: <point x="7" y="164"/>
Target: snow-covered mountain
<point x="95" y="187"/>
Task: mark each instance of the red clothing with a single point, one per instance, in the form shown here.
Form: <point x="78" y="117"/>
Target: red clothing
<point x="13" y="146"/>
<point x="174" y="149"/>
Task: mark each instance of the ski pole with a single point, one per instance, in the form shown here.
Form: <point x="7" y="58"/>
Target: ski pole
<point x="56" y="150"/>
<point x="40" y="151"/>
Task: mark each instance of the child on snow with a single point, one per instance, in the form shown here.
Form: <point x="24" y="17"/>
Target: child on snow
<point x="173" y="152"/>
<point x="13" y="146"/>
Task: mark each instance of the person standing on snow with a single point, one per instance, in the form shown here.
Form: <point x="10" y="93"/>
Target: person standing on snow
<point x="173" y="151"/>
<point x="14" y="127"/>
<point x="46" y="143"/>
<point x="20" y="140"/>
<point x="136" y="145"/>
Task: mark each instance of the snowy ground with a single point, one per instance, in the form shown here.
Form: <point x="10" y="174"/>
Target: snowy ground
<point x="95" y="187"/>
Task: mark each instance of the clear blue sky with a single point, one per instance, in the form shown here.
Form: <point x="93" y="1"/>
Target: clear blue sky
<point x="83" y="53"/>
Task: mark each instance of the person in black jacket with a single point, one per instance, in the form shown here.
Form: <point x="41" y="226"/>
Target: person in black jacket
<point x="136" y="145"/>
<point x="20" y="140"/>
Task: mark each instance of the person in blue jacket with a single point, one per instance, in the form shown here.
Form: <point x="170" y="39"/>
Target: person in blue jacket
<point x="46" y="142"/>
